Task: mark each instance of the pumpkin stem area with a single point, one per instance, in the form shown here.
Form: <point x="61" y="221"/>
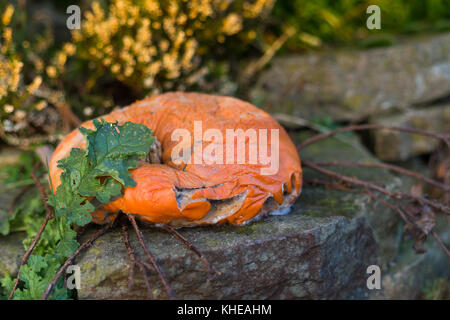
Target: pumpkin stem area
<point x="155" y="153"/>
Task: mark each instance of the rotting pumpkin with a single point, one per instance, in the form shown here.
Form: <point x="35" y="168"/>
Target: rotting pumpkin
<point x="183" y="194"/>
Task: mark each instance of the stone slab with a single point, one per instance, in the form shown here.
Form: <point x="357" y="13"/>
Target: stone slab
<point x="351" y="85"/>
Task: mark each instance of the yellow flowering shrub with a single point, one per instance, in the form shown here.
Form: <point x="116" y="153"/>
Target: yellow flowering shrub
<point x="21" y="97"/>
<point x="159" y="44"/>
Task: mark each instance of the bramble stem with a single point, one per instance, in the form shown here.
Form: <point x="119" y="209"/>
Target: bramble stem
<point x="135" y="262"/>
<point x="191" y="247"/>
<point x="396" y="195"/>
<point x="362" y="127"/>
<point x="386" y="166"/>
<point x="151" y="257"/>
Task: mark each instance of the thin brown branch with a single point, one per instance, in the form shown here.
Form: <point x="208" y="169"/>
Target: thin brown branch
<point x="135" y="262"/>
<point x="390" y="205"/>
<point x="396" y="209"/>
<point x="191" y="247"/>
<point x="69" y="261"/>
<point x="393" y="207"/>
<point x="41" y="188"/>
<point x="329" y="184"/>
<point x="402" y="214"/>
<point x="370" y="186"/>
<point x="151" y="257"/>
<point x="131" y="275"/>
<point x="49" y="215"/>
<point x="362" y="127"/>
<point x="396" y="195"/>
<point x="441" y="244"/>
<point x="386" y="166"/>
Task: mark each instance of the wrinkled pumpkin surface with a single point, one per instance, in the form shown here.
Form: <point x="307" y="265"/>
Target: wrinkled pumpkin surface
<point x="194" y="194"/>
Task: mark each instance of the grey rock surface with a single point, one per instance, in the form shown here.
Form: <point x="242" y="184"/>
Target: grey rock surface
<point x="320" y="250"/>
<point x="355" y="84"/>
<point x="411" y="273"/>
<point x="394" y="146"/>
<point x="303" y="256"/>
<point x="11" y="252"/>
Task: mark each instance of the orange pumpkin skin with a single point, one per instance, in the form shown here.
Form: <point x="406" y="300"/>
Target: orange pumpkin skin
<point x="195" y="194"/>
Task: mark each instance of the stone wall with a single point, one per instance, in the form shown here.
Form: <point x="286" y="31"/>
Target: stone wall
<point x="385" y="85"/>
<point x="320" y="250"/>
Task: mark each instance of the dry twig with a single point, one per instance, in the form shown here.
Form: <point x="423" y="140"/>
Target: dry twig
<point x="386" y="166"/>
<point x="407" y="221"/>
<point x="191" y="247"/>
<point x="370" y="186"/>
<point x="151" y="258"/>
<point x="362" y="127"/>
<point x="135" y="262"/>
<point x="396" y="195"/>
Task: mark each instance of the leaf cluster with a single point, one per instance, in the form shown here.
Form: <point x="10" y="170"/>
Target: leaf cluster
<point x="99" y="172"/>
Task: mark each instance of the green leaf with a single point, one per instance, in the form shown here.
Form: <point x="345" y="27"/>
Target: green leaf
<point x="68" y="245"/>
<point x="113" y="141"/>
<point x="100" y="171"/>
<point x="74" y="207"/>
<point x="103" y="168"/>
<point x="109" y="189"/>
<point x="7" y="283"/>
<point x="74" y="167"/>
<point x="30" y="275"/>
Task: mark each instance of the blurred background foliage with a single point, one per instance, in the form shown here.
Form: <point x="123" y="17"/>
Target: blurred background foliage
<point x="153" y="45"/>
<point x="328" y="22"/>
<point x="51" y="77"/>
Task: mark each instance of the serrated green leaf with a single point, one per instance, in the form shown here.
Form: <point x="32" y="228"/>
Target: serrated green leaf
<point x="74" y="167"/>
<point x="109" y="189"/>
<point x="36" y="263"/>
<point x="112" y="150"/>
<point x="100" y="171"/>
<point x="7" y="283"/>
<point x="67" y="246"/>
<point x="110" y="140"/>
<point x="74" y="207"/>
